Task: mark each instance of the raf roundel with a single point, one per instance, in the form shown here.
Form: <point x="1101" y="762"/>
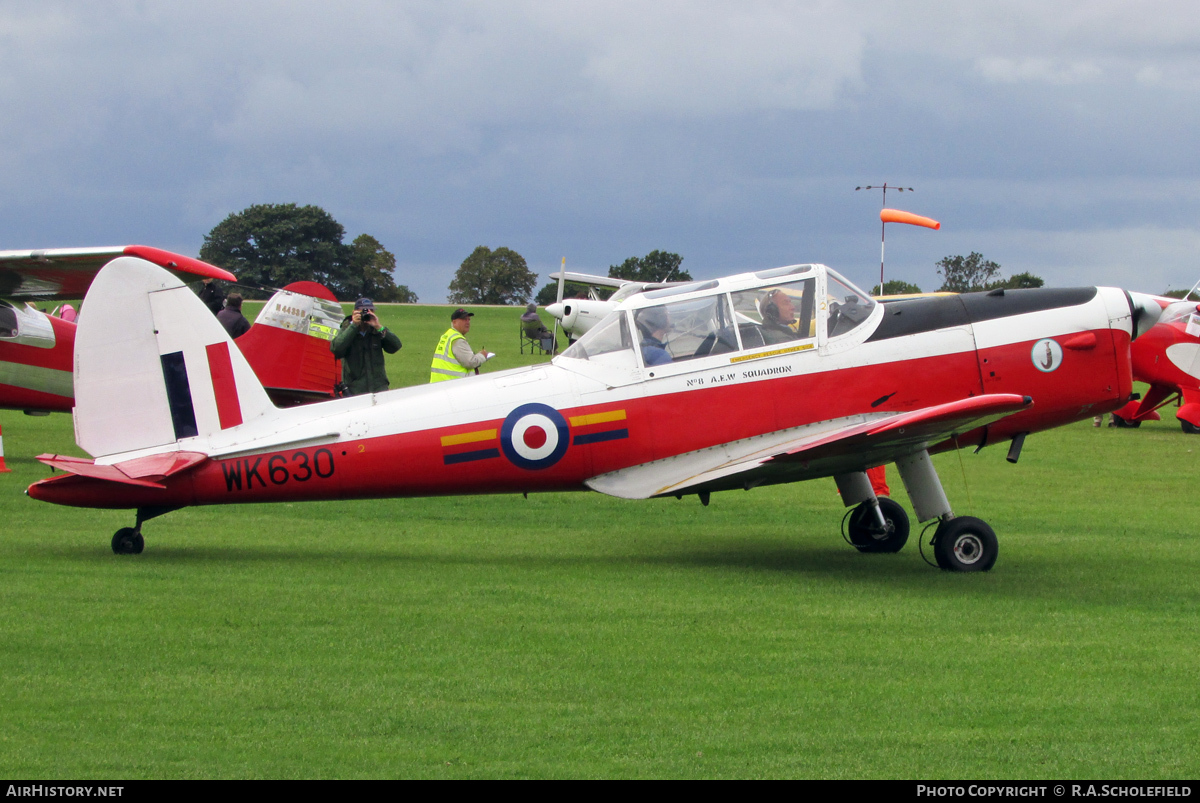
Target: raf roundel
<point x="1047" y="355"/>
<point x="534" y="436"/>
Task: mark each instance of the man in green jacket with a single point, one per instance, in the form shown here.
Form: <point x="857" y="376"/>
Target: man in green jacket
<point x="360" y="345"/>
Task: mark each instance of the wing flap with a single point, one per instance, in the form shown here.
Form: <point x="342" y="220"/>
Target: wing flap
<point x="871" y="439"/>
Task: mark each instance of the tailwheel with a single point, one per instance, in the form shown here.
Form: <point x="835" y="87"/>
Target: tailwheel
<point x="866" y="534"/>
<point x="128" y="541"/>
<point x="965" y="544"/>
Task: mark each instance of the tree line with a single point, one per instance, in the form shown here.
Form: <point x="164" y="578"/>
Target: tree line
<point x="969" y="274"/>
<point x="271" y="245"/>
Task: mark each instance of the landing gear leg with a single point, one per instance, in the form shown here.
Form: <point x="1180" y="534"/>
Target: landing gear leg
<point x="960" y="543"/>
<point x="128" y="540"/>
<point x="877" y="524"/>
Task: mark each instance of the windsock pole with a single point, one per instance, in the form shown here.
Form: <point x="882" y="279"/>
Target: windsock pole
<point x="883" y="227"/>
<point x="3" y="468"/>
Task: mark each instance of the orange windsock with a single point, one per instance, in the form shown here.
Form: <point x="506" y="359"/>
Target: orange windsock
<point x="896" y="216"/>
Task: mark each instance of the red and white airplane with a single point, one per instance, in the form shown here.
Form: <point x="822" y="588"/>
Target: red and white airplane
<point x="684" y="390"/>
<point x="1168" y="359"/>
<point x="287" y="345"/>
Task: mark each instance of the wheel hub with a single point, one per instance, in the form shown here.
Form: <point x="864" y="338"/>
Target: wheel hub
<point x="968" y="548"/>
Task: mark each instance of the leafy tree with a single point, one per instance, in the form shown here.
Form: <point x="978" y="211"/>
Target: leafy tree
<point x="967" y="274"/>
<point x="1176" y="293"/>
<point x="492" y="277"/>
<point x="270" y="245"/>
<point x="371" y="270"/>
<point x="895" y="287"/>
<point x="657" y="266"/>
<point x="1018" y="281"/>
<point x="973" y="273"/>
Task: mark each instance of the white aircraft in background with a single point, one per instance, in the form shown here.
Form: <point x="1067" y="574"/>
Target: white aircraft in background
<point x="577" y="315"/>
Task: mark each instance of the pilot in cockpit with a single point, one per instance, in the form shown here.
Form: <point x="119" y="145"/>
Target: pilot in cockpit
<point x="778" y="314"/>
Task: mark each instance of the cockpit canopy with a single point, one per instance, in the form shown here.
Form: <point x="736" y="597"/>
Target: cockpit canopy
<point x="781" y="307"/>
<point x="1180" y="311"/>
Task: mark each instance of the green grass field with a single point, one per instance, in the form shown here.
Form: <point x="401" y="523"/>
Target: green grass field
<point x="574" y="635"/>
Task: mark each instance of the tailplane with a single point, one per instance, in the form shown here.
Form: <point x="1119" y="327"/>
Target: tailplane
<point x="153" y="366"/>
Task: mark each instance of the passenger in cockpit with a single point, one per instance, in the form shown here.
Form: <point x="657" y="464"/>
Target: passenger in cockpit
<point x="778" y="313"/>
<point x="652" y="327"/>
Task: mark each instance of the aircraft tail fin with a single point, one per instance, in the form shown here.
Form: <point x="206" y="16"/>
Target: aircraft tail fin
<point x="153" y="367"/>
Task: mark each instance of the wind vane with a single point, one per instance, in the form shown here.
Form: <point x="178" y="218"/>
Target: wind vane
<point x="887" y="216"/>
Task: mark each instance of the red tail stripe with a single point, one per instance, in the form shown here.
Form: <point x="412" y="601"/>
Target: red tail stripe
<point x="229" y="409"/>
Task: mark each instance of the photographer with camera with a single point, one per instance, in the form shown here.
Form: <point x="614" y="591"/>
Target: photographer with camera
<point x="360" y="346"/>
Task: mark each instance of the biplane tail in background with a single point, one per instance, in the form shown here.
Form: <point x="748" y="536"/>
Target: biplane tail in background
<point x="288" y="345"/>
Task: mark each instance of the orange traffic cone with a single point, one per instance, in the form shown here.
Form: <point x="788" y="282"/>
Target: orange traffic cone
<point x="3" y="468"/>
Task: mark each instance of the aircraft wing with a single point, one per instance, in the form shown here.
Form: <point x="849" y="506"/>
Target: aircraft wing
<point x="608" y="281"/>
<point x="55" y="274"/>
<point x="586" y="278"/>
<point x="818" y="450"/>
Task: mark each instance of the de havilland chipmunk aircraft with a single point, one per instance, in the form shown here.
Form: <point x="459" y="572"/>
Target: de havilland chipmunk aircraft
<point x="762" y="378"/>
<point x="288" y="345"/>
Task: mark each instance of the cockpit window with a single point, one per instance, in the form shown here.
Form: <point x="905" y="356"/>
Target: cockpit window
<point x="685" y="330"/>
<point x="609" y="337"/>
<point x="848" y="306"/>
<point x="776" y="313"/>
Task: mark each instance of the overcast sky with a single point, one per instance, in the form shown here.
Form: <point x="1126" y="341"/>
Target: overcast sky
<point x="1057" y="138"/>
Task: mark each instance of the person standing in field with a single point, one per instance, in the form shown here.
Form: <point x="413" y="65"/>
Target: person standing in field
<point x="360" y="346"/>
<point x="453" y="358"/>
<point x="231" y="317"/>
<point x="213" y="296"/>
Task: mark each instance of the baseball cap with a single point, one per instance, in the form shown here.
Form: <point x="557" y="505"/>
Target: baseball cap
<point x="364" y="303"/>
<point x="461" y="313"/>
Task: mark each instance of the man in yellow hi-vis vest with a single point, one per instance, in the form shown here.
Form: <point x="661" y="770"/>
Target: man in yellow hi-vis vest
<point x="454" y="358"/>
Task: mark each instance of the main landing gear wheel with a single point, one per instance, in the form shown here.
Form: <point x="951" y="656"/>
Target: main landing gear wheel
<point x="1125" y="423"/>
<point x="965" y="544"/>
<point x="1189" y="429"/>
<point x="128" y="541"/>
<point x="864" y="531"/>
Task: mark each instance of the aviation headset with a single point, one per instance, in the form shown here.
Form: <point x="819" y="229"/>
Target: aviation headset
<point x="768" y="307"/>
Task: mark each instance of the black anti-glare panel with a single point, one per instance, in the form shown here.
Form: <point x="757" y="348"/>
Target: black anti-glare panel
<point x="915" y="315"/>
<point x="179" y="395"/>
